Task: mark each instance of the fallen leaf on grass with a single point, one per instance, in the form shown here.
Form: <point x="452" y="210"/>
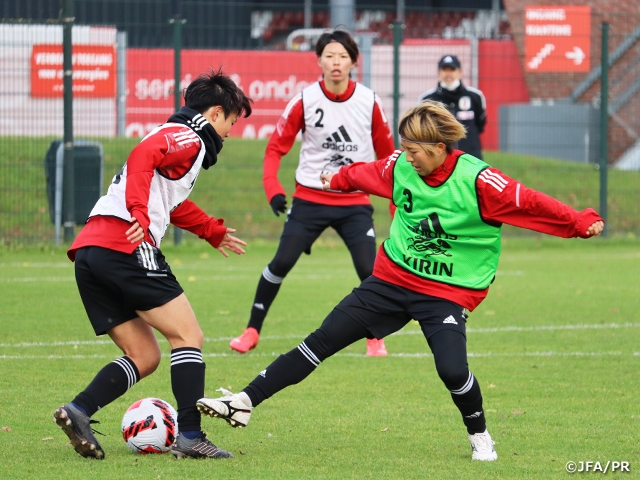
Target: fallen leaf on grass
<point x="490" y="410"/>
<point x="491" y="385"/>
<point x="45" y="439"/>
<point x="6" y="429"/>
<point x="385" y="429"/>
<point x="518" y="412"/>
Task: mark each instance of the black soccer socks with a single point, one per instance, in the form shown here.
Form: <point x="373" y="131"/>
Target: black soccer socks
<point x="187" y="382"/>
<point x="468" y="399"/>
<point x="110" y="383"/>
<point x="288" y="369"/>
<point x="266" y="292"/>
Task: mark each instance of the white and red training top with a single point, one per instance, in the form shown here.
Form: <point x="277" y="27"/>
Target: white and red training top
<point x="501" y="200"/>
<point x="336" y="130"/>
<point x="172" y="153"/>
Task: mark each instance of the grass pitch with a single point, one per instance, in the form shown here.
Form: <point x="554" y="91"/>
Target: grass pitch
<point x="554" y="346"/>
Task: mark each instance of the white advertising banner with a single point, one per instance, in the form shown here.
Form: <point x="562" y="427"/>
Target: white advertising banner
<point x="24" y="114"/>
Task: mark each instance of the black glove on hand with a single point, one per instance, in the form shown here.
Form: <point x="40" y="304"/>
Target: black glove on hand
<point x="278" y="204"/>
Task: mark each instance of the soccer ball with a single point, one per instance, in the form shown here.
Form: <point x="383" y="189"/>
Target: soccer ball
<point x="150" y="426"/>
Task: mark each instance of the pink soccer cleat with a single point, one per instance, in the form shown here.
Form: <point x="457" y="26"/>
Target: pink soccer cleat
<point x="376" y="348"/>
<point x="245" y="342"/>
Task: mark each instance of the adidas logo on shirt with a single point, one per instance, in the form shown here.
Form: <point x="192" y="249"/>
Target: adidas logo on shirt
<point x="340" y="141"/>
<point x="371" y="233"/>
<point x="450" y="319"/>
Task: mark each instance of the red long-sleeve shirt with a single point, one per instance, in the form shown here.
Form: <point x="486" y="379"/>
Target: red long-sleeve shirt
<point x="172" y="157"/>
<point x="282" y="139"/>
<point x="501" y="200"/>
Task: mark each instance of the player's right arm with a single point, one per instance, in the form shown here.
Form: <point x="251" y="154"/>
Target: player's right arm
<point x="375" y="178"/>
<point x="280" y="143"/>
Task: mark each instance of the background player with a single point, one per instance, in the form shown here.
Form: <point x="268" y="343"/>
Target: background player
<point x="127" y="287"/>
<point x="467" y="104"/>
<point x="342" y="123"/>
<point x="439" y="261"/>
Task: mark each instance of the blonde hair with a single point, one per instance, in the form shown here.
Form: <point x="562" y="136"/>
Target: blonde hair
<point x="431" y="122"/>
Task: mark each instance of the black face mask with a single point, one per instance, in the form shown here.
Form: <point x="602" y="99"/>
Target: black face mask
<point x="196" y="122"/>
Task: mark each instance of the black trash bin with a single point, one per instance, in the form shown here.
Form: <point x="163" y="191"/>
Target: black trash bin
<point x="88" y="177"/>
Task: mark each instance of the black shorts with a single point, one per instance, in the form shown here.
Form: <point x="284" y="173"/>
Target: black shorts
<point x="308" y="220"/>
<point x="383" y="308"/>
<point x="113" y="285"/>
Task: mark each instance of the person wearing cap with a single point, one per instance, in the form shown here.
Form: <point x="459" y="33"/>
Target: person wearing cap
<point x="467" y="104"/>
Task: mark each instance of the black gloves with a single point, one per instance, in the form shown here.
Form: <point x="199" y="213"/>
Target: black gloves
<point x="278" y="204"/>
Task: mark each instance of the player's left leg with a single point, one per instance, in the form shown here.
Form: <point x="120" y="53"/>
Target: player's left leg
<point x="177" y="322"/>
<point x="354" y="224"/>
<point x="450" y="355"/>
<point x="337" y="332"/>
<point x="305" y="222"/>
<point x="370" y="308"/>
<point x="141" y="357"/>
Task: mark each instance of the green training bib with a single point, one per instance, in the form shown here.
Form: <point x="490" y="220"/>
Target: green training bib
<point x="437" y="232"/>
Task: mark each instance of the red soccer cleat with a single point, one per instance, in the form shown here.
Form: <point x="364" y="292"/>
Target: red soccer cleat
<point x="245" y="342"/>
<point x="376" y="348"/>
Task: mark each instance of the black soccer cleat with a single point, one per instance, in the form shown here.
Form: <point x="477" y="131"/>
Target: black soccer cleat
<point x="77" y="426"/>
<point x="197" y="448"/>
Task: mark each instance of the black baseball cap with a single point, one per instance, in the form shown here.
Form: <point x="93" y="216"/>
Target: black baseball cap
<point x="449" y="61"/>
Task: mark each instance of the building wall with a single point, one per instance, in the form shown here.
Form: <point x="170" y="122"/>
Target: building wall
<point x="623" y="17"/>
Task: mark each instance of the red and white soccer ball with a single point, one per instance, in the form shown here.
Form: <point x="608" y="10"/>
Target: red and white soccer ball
<point x="150" y="425"/>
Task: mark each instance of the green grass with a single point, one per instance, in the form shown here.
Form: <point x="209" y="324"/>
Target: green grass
<point x="232" y="189"/>
<point x="554" y="346"/>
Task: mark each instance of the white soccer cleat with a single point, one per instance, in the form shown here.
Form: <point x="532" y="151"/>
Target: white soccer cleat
<point x="482" y="447"/>
<point x="230" y="407"/>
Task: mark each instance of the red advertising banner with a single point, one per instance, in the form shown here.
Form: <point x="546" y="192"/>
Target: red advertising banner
<point x="270" y="78"/>
<point x="557" y="38"/>
<point x="94" y="71"/>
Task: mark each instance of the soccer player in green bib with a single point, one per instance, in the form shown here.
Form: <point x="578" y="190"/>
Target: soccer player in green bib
<point x="438" y="263"/>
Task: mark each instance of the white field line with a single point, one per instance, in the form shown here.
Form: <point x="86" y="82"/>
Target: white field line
<point x="197" y="278"/>
<point x="541" y="328"/>
<point x="37" y="279"/>
<point x="549" y="353"/>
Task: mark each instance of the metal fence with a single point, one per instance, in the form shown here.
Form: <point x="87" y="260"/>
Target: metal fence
<point x="538" y="67"/>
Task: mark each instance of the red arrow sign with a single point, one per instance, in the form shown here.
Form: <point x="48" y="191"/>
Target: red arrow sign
<point x="557" y="38"/>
